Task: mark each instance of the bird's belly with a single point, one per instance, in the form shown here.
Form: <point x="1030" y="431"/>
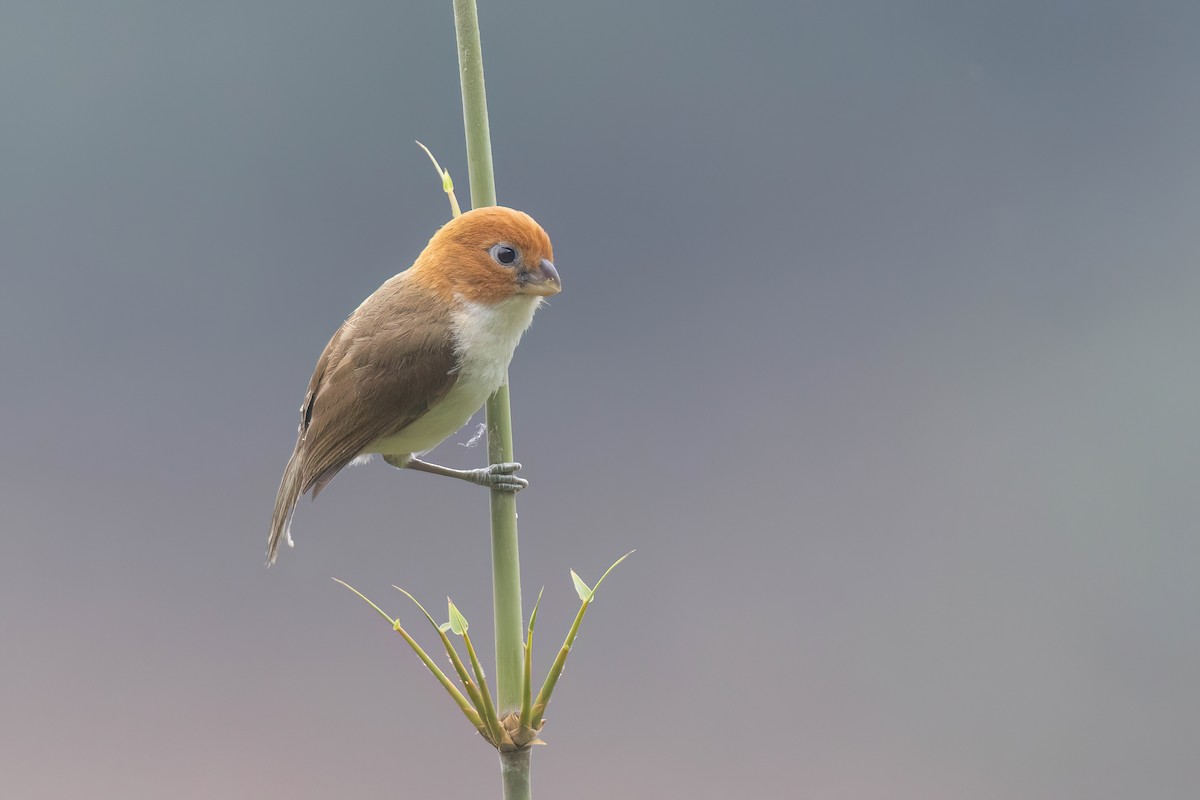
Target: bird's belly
<point x="443" y="419"/>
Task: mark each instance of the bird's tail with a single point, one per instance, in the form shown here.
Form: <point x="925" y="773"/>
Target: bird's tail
<point x="285" y="506"/>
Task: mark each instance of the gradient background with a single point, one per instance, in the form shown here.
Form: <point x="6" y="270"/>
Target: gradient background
<point x="879" y="342"/>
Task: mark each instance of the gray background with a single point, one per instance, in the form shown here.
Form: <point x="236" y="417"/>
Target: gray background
<point x="879" y="342"/>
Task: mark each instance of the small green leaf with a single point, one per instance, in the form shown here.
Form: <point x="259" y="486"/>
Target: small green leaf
<point x="533" y="616"/>
<point x="445" y="626"/>
<point x="527" y="674"/>
<point x="447" y="183"/>
<point x="581" y="588"/>
<point x="458" y="623"/>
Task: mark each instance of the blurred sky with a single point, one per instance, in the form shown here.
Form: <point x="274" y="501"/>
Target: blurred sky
<point x="878" y="340"/>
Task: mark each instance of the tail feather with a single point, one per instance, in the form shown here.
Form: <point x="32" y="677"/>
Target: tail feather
<point x="285" y="505"/>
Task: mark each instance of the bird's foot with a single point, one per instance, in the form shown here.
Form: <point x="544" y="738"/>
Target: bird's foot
<point x="500" y="477"/>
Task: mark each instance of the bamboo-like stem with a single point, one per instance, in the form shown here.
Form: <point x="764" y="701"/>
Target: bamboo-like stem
<point x="514" y="768"/>
<point x="506" y="565"/>
<point x="475" y="116"/>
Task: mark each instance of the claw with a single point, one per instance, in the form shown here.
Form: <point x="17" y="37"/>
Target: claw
<point x="501" y="478"/>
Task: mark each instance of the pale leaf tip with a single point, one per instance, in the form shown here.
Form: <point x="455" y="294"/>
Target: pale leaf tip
<point x="458" y="623"/>
<point x="581" y="588"/>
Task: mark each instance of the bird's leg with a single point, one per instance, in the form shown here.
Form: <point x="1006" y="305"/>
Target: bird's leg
<point x="497" y="476"/>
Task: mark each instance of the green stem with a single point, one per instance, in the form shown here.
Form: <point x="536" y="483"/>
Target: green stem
<point x="475" y="116"/>
<point x="506" y="566"/>
<point x="514" y="767"/>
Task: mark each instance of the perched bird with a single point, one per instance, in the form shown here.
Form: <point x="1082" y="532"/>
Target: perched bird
<point x="420" y="356"/>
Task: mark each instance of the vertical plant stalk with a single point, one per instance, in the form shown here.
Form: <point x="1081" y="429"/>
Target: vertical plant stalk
<point x="514" y="766"/>
<point x="506" y="565"/>
<point x="475" y="115"/>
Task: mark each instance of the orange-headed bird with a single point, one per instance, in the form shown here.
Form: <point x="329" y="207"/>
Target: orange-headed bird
<point x="420" y="356"/>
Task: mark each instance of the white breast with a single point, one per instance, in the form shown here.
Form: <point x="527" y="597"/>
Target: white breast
<point x="485" y="339"/>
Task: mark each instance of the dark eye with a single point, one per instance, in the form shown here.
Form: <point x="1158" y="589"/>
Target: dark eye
<point x="504" y="255"/>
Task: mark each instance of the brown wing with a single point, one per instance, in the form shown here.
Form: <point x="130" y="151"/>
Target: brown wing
<point x="387" y="364"/>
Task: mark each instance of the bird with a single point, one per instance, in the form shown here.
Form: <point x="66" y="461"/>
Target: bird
<point x="415" y="361"/>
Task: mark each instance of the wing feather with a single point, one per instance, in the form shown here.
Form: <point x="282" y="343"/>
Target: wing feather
<point x="385" y="367"/>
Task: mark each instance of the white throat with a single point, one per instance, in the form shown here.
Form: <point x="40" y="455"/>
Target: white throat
<point x="486" y="337"/>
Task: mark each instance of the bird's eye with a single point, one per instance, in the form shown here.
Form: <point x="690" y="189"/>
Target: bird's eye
<point x="504" y="255"/>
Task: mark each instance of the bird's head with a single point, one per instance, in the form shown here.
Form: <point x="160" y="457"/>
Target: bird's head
<point x="489" y="255"/>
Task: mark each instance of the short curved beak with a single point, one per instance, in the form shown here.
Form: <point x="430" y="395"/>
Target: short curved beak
<point x="542" y="281"/>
